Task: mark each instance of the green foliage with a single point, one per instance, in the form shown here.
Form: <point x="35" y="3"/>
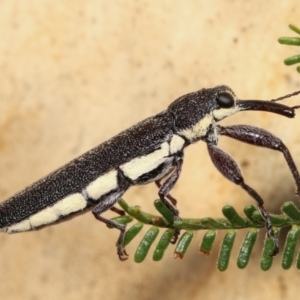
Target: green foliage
<point x="293" y="41"/>
<point x="232" y="222"/>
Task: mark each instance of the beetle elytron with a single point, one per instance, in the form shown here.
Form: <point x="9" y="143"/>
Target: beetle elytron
<point x="150" y="151"/>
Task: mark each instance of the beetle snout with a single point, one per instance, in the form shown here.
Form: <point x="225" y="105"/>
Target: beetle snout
<point x="268" y="106"/>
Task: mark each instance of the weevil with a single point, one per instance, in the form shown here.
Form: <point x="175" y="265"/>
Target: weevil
<point x="150" y="151"/>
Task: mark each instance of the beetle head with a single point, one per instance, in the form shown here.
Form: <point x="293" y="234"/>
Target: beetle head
<point x="195" y="112"/>
<point x="226" y="104"/>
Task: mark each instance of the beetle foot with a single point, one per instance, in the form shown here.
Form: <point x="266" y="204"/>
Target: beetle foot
<point x="122" y="253"/>
<point x="176" y="230"/>
<point x="175" y="236"/>
<point x="271" y="234"/>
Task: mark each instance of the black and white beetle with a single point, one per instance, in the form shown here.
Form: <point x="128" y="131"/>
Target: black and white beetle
<point x="147" y="152"/>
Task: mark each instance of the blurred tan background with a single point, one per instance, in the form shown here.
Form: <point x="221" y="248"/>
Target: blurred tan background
<point x="74" y="73"/>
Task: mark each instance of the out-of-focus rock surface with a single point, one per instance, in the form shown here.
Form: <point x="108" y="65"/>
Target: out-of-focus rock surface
<point x="74" y="73"/>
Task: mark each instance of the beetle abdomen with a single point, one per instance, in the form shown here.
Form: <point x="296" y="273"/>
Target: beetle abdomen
<point x="88" y="177"/>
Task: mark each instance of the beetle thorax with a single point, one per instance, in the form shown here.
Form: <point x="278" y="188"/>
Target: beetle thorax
<point x="192" y="114"/>
<point x="198" y="130"/>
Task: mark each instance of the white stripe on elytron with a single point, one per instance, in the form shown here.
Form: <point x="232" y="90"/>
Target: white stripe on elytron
<point x="64" y="207"/>
<point x="102" y="185"/>
<point x="176" y="144"/>
<point x="144" y="164"/>
<point x="43" y="217"/>
<point x="70" y="204"/>
<point x="198" y="130"/>
<point x="21" y="226"/>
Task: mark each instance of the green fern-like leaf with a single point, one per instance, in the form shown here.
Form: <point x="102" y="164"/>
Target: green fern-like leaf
<point x="292" y="41"/>
<point x="232" y="222"/>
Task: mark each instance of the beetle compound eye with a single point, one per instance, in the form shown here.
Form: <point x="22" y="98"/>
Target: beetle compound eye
<point x="225" y="100"/>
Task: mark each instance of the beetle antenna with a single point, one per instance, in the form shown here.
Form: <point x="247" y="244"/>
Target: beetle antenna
<point x="287" y="96"/>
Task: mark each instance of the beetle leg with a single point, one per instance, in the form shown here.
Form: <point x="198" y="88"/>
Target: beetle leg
<point x="260" y="137"/>
<point x="120" y="212"/>
<point x="164" y="190"/>
<point x="106" y="203"/>
<point x="230" y="169"/>
<point x="169" y="197"/>
<point x="166" y="187"/>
